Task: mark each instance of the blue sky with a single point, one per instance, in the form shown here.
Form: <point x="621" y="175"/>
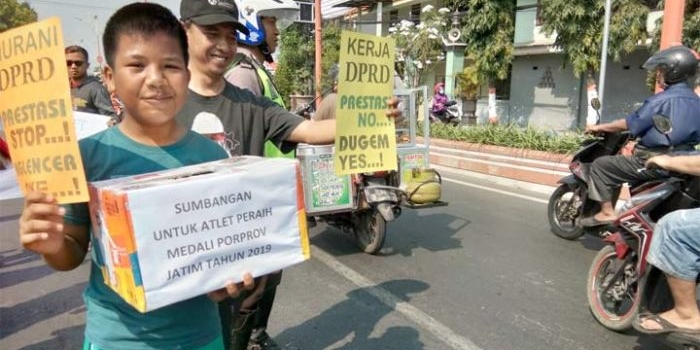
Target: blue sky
<point x="84" y="20"/>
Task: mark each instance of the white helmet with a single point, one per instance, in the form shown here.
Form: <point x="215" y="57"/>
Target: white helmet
<point x="250" y="11"/>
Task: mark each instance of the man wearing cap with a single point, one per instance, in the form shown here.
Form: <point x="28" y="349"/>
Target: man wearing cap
<point x="248" y="120"/>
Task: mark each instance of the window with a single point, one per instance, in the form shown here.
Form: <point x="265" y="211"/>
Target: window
<point x="393" y="17"/>
<point x="415" y="13"/>
<point x="306" y="12"/>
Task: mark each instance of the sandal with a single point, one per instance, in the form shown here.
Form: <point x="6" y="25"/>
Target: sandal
<point x="666" y="326"/>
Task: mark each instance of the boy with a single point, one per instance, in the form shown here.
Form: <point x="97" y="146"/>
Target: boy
<point x="248" y="120"/>
<point x="146" y="51"/>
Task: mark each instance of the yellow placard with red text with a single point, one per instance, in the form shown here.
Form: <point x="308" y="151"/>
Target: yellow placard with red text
<point x="365" y="138"/>
<point x="36" y="111"/>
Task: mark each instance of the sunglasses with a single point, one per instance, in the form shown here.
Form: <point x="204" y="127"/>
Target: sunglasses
<point x="70" y="63"/>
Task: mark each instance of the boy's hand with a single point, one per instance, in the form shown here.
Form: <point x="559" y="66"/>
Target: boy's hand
<point x="41" y="224"/>
<point x="233" y="289"/>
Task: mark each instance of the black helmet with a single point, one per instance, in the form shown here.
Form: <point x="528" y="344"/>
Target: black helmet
<point x="677" y="64"/>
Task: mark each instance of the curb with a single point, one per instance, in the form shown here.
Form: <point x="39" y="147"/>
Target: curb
<point x="535" y="170"/>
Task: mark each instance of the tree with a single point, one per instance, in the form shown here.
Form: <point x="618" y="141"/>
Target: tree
<point x="691" y="26"/>
<point x="330" y="53"/>
<point x="489" y="37"/>
<point x="578" y="25"/>
<point x="419" y="47"/>
<point x="294" y="74"/>
<point x="690" y="34"/>
<point x="13" y="14"/>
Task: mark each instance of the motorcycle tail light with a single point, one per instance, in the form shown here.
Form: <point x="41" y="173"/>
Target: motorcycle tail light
<point x="574" y="166"/>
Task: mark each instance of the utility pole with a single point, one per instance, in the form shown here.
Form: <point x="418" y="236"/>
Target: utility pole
<point x="672" y="29"/>
<point x="317" y="61"/>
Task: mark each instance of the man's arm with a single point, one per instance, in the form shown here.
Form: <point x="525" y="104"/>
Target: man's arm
<point x="323" y="131"/>
<point x="615" y="126"/>
<point x="679" y="164"/>
<point x="314" y="133"/>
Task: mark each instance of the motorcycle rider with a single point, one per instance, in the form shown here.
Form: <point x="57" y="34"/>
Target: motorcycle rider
<point x="674" y="67"/>
<point x="675" y="250"/>
<point x="439" y="108"/>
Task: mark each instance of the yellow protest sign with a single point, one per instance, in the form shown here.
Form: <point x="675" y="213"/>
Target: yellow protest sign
<point x="365" y="138"/>
<point x="36" y="111"/>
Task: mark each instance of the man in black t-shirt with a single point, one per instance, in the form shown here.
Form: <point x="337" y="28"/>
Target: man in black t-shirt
<point x="237" y="119"/>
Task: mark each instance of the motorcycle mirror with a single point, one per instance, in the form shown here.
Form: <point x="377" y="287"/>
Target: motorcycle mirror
<point x="662" y="123"/>
<point x="595" y="103"/>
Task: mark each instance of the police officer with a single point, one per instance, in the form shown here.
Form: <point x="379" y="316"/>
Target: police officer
<point x="264" y="20"/>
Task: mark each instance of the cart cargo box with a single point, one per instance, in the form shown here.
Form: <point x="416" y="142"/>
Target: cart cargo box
<point x="411" y="157"/>
<point x="324" y="191"/>
<point x="172" y="235"/>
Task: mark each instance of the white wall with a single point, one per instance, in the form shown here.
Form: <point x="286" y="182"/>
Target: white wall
<point x="534" y="101"/>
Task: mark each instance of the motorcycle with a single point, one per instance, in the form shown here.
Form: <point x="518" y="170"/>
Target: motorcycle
<point x="621" y="284"/>
<point x="378" y="201"/>
<point x="570" y="201"/>
<point x="452" y="114"/>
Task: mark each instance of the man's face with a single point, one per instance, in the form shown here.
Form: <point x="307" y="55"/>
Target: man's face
<point x="77" y="65"/>
<point x="271" y="32"/>
<point x="150" y="77"/>
<point x="211" y="47"/>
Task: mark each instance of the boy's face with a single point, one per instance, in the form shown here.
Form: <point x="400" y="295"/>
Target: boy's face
<point x="271" y="32"/>
<point x="211" y="47"/>
<point x="150" y="77"/>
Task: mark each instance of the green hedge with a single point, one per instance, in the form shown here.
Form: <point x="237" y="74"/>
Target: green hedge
<point x="510" y="136"/>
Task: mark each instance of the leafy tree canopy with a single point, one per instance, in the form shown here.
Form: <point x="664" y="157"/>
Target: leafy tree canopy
<point x="420" y="46"/>
<point x="13" y="14"/>
<point x="691" y="26"/>
<point x="578" y="25"/>
<point x="488" y="32"/>
<point x="295" y="65"/>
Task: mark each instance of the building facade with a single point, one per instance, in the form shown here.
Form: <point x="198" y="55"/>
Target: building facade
<point x="542" y="90"/>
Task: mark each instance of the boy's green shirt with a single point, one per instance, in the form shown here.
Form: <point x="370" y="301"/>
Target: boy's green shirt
<point x="111" y="322"/>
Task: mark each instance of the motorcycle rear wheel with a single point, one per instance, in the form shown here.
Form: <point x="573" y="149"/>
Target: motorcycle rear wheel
<point x="370" y="231"/>
<point x="616" y="315"/>
<point x="561" y="195"/>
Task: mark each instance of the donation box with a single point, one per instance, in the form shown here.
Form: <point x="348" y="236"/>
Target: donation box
<point x="172" y="235"/>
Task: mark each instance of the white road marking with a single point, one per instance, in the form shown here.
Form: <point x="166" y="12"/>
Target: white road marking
<point x="427" y="322"/>
<point x="507" y="193"/>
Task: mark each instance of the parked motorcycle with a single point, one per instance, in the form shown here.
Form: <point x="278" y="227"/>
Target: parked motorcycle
<point x="570" y="201"/>
<point x="452" y="114"/>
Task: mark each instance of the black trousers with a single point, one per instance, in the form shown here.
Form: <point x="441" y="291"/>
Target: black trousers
<point x="239" y="326"/>
<point x="608" y="173"/>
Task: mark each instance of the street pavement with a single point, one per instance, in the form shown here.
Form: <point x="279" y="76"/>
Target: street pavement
<point x="483" y="273"/>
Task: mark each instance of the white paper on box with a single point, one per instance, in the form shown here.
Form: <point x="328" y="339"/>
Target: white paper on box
<point x="195" y="228"/>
